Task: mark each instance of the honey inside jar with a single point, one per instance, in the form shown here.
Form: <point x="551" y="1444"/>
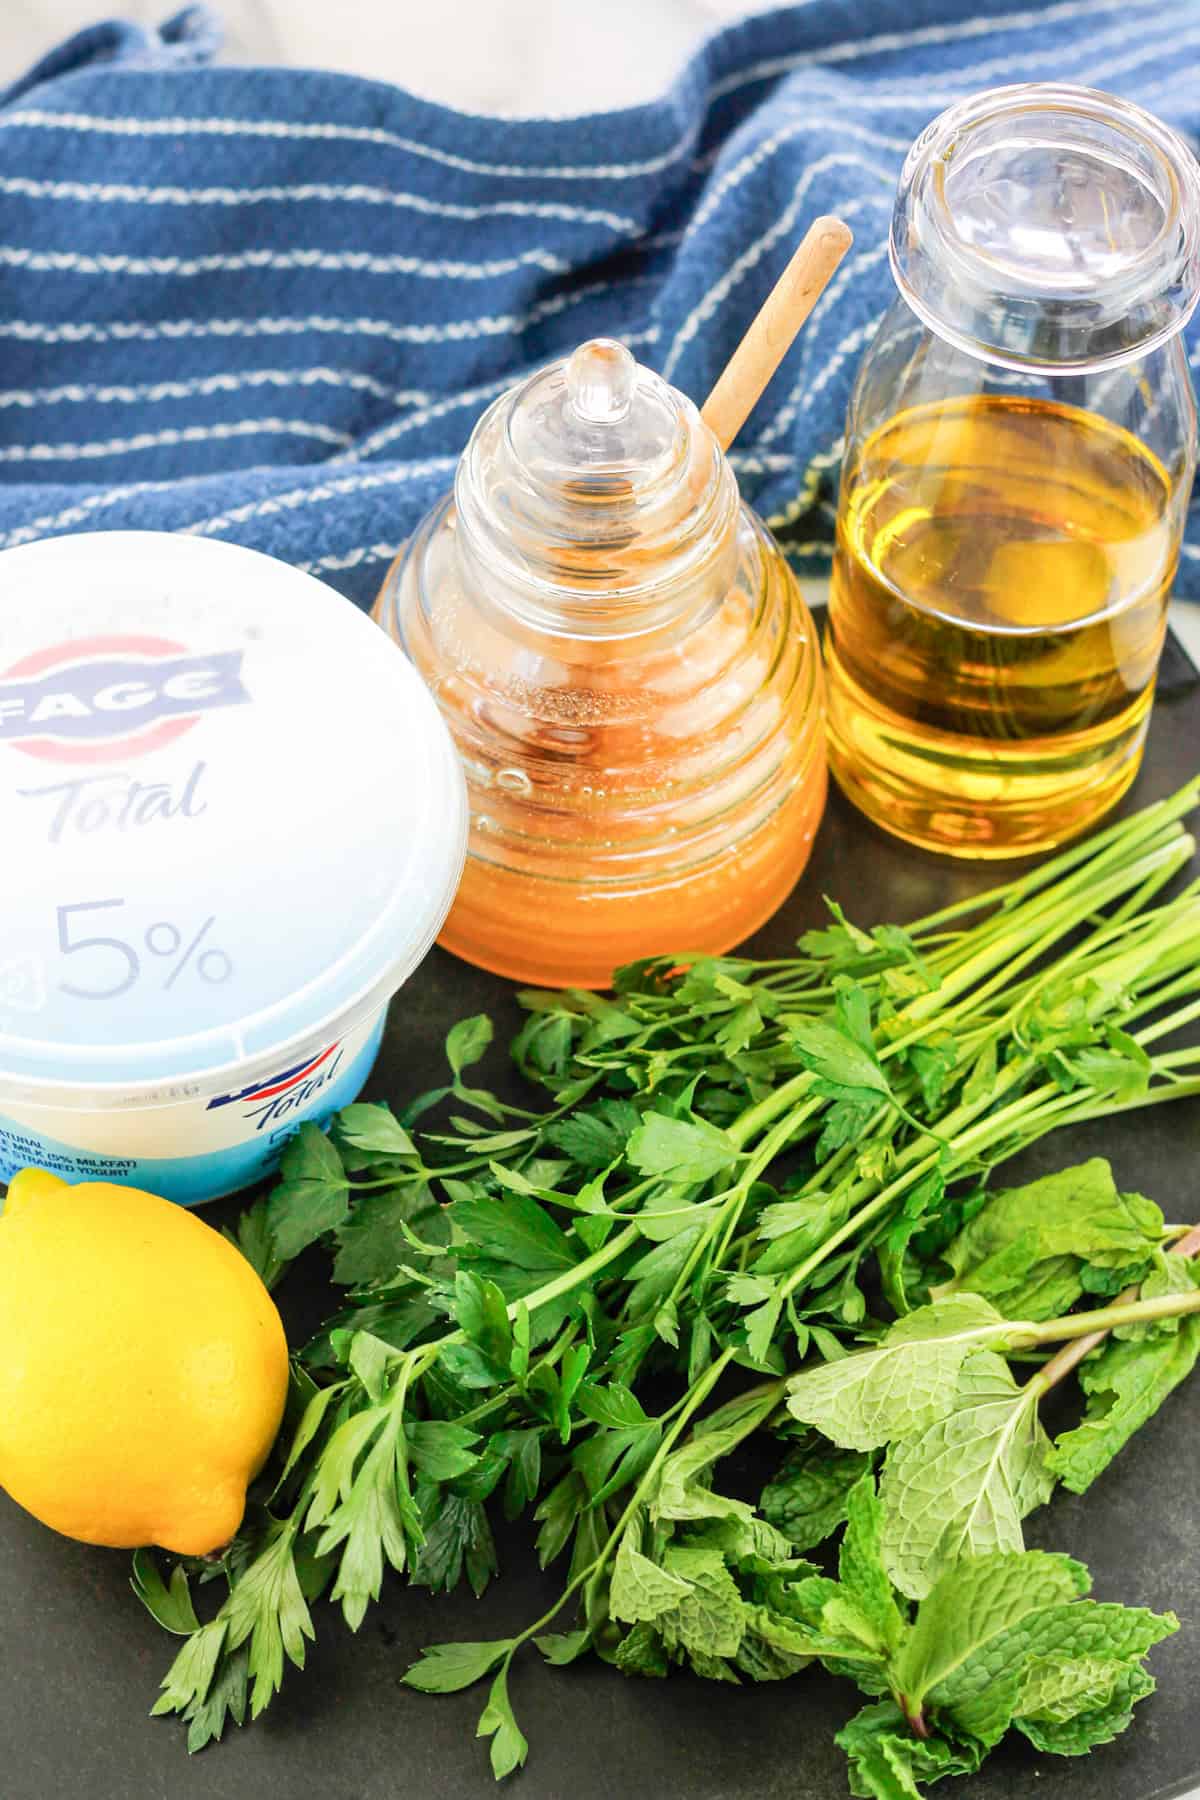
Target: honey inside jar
<point x="630" y="676"/>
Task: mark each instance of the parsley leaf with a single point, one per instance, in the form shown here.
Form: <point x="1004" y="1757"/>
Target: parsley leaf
<point x="364" y="1126"/>
<point x="467" y="1042"/>
<point x="448" y="1668"/>
<point x="509" y="1745"/>
<point x="371" y="1241"/>
<point x="171" y="1606"/>
<point x="256" y="1241"/>
<point x="836" y="1057"/>
<point x="313" y="1196"/>
<point x="680" y="1149"/>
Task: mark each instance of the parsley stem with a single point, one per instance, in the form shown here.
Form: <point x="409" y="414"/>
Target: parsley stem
<point x="769" y="1108"/>
<point x="578" y="1273"/>
<point x="588" y="1575"/>
<point x="695" y="1399"/>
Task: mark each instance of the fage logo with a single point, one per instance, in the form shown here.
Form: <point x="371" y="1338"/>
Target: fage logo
<point x="104" y="699"/>
<point x="275" y="1084"/>
<point x="288" y="1092"/>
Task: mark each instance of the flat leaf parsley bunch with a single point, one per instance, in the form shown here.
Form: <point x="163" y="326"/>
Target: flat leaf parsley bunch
<point x="753" y="1200"/>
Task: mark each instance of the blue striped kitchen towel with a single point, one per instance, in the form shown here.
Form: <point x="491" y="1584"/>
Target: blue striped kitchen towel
<point x="268" y="304"/>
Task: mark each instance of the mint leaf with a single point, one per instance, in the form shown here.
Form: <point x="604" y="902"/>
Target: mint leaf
<point x="448" y="1668"/>
<point x="975" y="1603"/>
<point x="1057" y="1688"/>
<point x="683" y="1484"/>
<point x="806" y="1501"/>
<point x="762" y="1660"/>
<point x="366" y="1126"/>
<point x="686" y="1150"/>
<point x="1126" y="1383"/>
<point x="860" y="1566"/>
<point x="1014" y="1280"/>
<point x="1169" y="1275"/>
<point x="887" y="1761"/>
<point x="985" y="1691"/>
<point x="709" y="1617"/>
<point x="641" y="1591"/>
<point x="1076" y="1212"/>
<point x="467" y="1042"/>
<point x="873" y="1396"/>
<point x="640" y="1652"/>
<point x="962" y="1485"/>
<point x="1083" y="1731"/>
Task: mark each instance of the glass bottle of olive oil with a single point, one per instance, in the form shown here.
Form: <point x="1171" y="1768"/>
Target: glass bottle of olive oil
<point x="1019" y="456"/>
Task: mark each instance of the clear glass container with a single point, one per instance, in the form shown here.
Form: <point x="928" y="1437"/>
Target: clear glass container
<point x="629" y="673"/>
<point x="1019" y="456"/>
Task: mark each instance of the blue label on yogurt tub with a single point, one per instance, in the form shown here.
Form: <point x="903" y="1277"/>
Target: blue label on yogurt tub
<point x="229" y="1141"/>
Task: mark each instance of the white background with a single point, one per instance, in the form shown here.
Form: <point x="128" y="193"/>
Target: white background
<point x="499" y="56"/>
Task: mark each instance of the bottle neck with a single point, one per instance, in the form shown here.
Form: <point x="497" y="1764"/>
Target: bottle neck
<point x="1049" y="228"/>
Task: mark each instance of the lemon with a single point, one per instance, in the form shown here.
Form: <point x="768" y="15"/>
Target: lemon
<point x="143" y="1367"/>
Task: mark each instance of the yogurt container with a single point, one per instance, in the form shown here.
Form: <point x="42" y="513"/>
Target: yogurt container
<point x="232" y="822"/>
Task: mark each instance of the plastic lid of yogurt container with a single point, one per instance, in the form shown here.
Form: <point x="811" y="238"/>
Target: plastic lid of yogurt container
<point x="232" y="818"/>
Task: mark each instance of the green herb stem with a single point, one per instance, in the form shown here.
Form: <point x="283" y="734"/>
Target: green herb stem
<point x="1108" y="1318"/>
<point x="579" y="1275"/>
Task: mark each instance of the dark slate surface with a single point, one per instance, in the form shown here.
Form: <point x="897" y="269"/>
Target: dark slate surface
<point x="82" y="1660"/>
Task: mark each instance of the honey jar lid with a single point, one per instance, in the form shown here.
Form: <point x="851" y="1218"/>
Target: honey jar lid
<point x="595" y="496"/>
<point x="1049" y="226"/>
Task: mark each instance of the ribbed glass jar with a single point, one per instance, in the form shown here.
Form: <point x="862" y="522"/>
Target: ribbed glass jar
<point x="629" y="673"/>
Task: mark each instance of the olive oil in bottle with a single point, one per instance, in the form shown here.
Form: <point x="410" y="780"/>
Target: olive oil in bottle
<point x="997" y="612"/>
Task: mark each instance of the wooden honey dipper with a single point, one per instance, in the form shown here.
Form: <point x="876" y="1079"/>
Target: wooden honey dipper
<point x="774" y="328"/>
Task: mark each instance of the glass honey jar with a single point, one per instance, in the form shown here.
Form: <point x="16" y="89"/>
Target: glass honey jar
<point x="1019" y="455"/>
<point x="628" y="670"/>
